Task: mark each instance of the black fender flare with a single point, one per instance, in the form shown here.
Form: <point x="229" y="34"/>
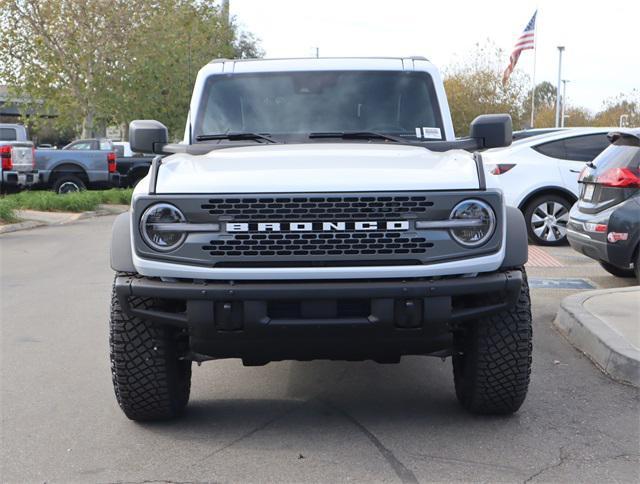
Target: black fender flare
<point x="517" y="242"/>
<point x="121" y="257"/>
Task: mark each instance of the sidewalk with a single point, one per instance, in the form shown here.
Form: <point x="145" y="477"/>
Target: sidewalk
<point x="605" y="325"/>
<point x="34" y="218"/>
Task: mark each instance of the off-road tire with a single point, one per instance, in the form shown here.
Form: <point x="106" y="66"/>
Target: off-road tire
<point x="150" y="381"/>
<point x="617" y="271"/>
<point x="492" y="359"/>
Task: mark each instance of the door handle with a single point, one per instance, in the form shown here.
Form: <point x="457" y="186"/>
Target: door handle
<point x="575" y="171"/>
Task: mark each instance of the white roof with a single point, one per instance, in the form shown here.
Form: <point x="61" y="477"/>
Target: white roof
<point x="320" y="64"/>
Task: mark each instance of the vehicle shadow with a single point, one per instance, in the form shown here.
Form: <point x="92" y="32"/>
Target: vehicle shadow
<point x="416" y="392"/>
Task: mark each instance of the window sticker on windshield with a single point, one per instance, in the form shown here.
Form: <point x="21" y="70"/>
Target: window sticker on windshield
<point x="431" y="133"/>
<point x="418" y="133"/>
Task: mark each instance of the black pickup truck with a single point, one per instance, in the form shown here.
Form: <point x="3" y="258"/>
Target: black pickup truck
<point x="130" y="167"/>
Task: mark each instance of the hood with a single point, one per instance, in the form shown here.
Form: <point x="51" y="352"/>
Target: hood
<point x="317" y="167"/>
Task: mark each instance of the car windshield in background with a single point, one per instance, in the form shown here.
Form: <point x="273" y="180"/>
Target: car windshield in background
<point x="396" y="103"/>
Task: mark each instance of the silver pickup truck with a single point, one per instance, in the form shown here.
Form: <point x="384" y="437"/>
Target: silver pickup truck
<point x="80" y="165"/>
<point x="16" y="153"/>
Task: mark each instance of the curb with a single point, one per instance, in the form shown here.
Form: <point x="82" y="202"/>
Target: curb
<point x="32" y="224"/>
<point x="25" y="225"/>
<point x="601" y="343"/>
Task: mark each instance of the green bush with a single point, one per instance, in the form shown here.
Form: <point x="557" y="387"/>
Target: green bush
<point x="7" y="215"/>
<point x="46" y="201"/>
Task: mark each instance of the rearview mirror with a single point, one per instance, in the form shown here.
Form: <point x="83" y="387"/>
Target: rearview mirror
<point x="492" y="130"/>
<point x="147" y="136"/>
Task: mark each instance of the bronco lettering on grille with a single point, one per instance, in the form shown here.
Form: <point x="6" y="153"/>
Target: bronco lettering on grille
<point x="396" y="225"/>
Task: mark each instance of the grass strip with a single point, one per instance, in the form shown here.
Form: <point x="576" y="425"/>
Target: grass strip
<point x="46" y="201"/>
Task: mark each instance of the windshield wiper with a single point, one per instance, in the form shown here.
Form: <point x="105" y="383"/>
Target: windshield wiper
<point x="357" y="135"/>
<point x="235" y="137"/>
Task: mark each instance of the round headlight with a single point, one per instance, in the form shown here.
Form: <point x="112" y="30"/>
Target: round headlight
<point x="155" y="227"/>
<point x="482" y="223"/>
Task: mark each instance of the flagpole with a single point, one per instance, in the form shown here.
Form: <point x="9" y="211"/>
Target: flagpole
<point x="533" y="79"/>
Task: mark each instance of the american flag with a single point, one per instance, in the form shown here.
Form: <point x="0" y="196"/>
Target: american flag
<point x="524" y="42"/>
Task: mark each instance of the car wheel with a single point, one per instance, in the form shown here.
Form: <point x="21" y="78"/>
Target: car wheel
<point x="637" y="265"/>
<point x="617" y="271"/>
<point x="492" y="359"/>
<point x="68" y="184"/>
<point x="150" y="378"/>
<point x="546" y="217"/>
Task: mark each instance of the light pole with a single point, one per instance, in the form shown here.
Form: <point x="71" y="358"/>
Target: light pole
<point x="560" y="49"/>
<point x="225" y="12"/>
<point x="564" y="101"/>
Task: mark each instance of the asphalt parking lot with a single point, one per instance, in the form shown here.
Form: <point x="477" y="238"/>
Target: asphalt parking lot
<point x="291" y="421"/>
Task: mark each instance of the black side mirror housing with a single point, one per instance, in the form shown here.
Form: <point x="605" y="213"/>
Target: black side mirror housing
<point x="492" y="130"/>
<point x="147" y="136"/>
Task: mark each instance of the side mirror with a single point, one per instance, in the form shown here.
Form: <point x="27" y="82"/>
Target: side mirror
<point x="492" y="130"/>
<point x="147" y="136"/>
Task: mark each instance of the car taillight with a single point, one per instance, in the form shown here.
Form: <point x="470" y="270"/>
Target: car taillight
<point x="111" y="161"/>
<point x="501" y="168"/>
<point x="619" y="178"/>
<point x="598" y="228"/>
<point x="5" y="155"/>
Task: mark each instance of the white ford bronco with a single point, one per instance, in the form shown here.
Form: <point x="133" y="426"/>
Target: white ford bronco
<point x="318" y="209"/>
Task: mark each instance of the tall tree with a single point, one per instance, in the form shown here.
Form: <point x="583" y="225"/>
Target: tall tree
<point x="109" y="61"/>
<point x="168" y="50"/>
<point x="63" y="53"/>
<point x="474" y="87"/>
<point x="545" y="101"/>
<point x="621" y="105"/>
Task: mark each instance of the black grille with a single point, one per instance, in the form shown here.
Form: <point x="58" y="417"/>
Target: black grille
<point x="318" y="244"/>
<point x="316" y="208"/>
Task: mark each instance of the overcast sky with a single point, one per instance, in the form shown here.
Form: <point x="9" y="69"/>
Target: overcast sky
<point x="602" y="39"/>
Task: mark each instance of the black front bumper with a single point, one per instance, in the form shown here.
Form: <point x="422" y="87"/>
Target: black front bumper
<point x="352" y="320"/>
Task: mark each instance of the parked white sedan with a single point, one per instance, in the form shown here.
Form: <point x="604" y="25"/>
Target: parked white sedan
<point x="539" y="175"/>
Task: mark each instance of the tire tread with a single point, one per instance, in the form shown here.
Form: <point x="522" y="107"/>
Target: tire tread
<point x="492" y="376"/>
<point x="149" y="379"/>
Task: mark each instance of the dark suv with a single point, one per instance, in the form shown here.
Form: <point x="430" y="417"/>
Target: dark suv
<point x="605" y="222"/>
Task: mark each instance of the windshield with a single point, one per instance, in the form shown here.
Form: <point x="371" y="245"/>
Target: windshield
<point x="394" y="102"/>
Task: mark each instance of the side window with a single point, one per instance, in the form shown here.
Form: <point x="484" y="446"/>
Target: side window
<point x="585" y="148"/>
<point x="8" y="134"/>
<point x="105" y="146"/>
<point x="554" y="149"/>
<point x="82" y="145"/>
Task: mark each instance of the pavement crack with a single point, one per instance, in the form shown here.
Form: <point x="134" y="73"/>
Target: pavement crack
<point x="161" y="481"/>
<point x="466" y="461"/>
<point x="253" y="431"/>
<point x="404" y="474"/>
<point x="562" y="458"/>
